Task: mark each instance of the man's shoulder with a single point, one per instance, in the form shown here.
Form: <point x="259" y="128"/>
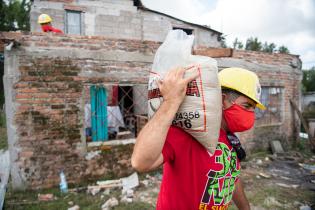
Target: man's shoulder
<point x="177" y="132"/>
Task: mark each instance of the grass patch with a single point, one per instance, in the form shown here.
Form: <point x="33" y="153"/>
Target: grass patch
<point x="283" y="195"/>
<point x="27" y="200"/>
<point x="2" y="119"/>
<point x="3" y="139"/>
<point x="134" y="206"/>
<point x="258" y="154"/>
<point x="3" y="132"/>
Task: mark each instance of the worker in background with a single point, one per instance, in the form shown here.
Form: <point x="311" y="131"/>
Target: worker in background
<point x="45" y="21"/>
<point x="194" y="179"/>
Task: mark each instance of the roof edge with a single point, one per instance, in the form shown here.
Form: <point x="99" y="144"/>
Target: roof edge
<point x="140" y="5"/>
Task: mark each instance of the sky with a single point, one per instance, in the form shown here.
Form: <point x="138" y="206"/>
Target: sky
<point x="284" y="22"/>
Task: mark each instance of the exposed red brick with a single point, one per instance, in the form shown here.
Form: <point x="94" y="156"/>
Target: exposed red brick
<point x="74" y="7"/>
<point x="214" y="52"/>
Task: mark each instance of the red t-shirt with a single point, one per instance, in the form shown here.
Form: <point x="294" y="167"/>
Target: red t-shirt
<point x="49" y="28"/>
<point x="193" y="179"/>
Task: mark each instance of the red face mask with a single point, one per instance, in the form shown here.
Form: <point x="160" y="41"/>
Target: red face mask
<point x="238" y="119"/>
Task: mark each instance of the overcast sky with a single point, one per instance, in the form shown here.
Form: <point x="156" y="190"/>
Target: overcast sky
<point x="284" y="22"/>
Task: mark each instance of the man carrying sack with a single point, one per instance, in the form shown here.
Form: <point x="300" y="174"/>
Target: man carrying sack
<point x="193" y="178"/>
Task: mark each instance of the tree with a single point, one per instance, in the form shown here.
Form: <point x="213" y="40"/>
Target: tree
<point x="223" y="41"/>
<point x="253" y="44"/>
<point x="308" y="81"/>
<point x="237" y="44"/>
<point x="270" y="48"/>
<point x="15" y="15"/>
<point x="283" y="49"/>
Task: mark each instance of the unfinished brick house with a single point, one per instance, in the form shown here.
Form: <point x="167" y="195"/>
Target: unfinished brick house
<point x="128" y="19"/>
<point x="50" y="78"/>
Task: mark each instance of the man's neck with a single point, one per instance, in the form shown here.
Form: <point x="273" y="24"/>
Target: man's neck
<point x="223" y="124"/>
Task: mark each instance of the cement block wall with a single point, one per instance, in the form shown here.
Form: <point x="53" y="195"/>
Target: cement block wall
<point x="45" y="78"/>
<point x="119" y="19"/>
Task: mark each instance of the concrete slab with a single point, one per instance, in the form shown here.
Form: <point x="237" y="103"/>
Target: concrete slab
<point x="276" y="147"/>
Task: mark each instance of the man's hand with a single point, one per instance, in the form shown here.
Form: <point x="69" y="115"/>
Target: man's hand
<point x="173" y="87"/>
<point x="147" y="152"/>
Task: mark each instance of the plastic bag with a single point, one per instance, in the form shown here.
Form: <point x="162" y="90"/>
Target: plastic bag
<point x="200" y="113"/>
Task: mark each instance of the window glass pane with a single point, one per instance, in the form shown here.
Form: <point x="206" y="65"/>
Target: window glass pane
<point x="73" y="22"/>
<point x="272" y="98"/>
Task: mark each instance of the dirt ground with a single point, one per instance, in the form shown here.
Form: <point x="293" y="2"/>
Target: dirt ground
<point x="271" y="182"/>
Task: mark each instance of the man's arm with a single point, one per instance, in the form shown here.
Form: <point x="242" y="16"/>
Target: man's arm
<point x="239" y="197"/>
<point x="147" y="153"/>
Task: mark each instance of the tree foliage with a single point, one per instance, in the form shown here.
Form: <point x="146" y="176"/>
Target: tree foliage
<point x="254" y="44"/>
<point x="237" y="44"/>
<point x="283" y="49"/>
<point x="223" y="42"/>
<point x="308" y="81"/>
<point x="15" y="15"/>
<point x="270" y="48"/>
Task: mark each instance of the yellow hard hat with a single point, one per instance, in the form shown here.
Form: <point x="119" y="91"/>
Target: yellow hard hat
<point x="44" y="18"/>
<point x="243" y="81"/>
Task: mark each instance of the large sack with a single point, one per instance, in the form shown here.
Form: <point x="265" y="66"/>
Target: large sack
<point x="200" y="112"/>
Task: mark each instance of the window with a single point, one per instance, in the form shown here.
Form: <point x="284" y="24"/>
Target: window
<point x="272" y="98"/>
<point x="73" y="22"/>
<point x="186" y="30"/>
<point x="114" y="111"/>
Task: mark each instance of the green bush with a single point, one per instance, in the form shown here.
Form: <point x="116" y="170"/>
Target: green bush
<point x="2" y="119"/>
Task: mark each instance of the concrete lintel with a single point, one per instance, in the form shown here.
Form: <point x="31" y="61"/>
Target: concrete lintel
<point x="235" y="62"/>
<point x="112" y="143"/>
<point x="107" y="55"/>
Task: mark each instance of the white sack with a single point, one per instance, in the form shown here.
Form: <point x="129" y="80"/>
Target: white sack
<point x="200" y="112"/>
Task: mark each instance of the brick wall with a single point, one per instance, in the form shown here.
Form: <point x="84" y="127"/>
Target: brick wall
<point x="45" y="79"/>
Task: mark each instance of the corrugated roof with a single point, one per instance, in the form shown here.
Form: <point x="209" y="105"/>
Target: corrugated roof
<point x="140" y="5"/>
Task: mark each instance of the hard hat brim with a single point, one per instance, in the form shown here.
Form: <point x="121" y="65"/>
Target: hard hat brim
<point x="259" y="105"/>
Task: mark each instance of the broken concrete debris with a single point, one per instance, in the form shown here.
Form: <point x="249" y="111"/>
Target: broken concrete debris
<point x="91" y="155"/>
<point x="45" y="197"/>
<point x="305" y="207"/>
<point x="127" y="196"/>
<point x="271" y="201"/>
<point x="259" y="162"/>
<point x="94" y="190"/>
<point x="126" y="183"/>
<point x="294" y="186"/>
<point x="267" y="176"/>
<point x="276" y="147"/>
<point x="110" y="203"/>
<point x="76" y="207"/>
<point x="308" y="167"/>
